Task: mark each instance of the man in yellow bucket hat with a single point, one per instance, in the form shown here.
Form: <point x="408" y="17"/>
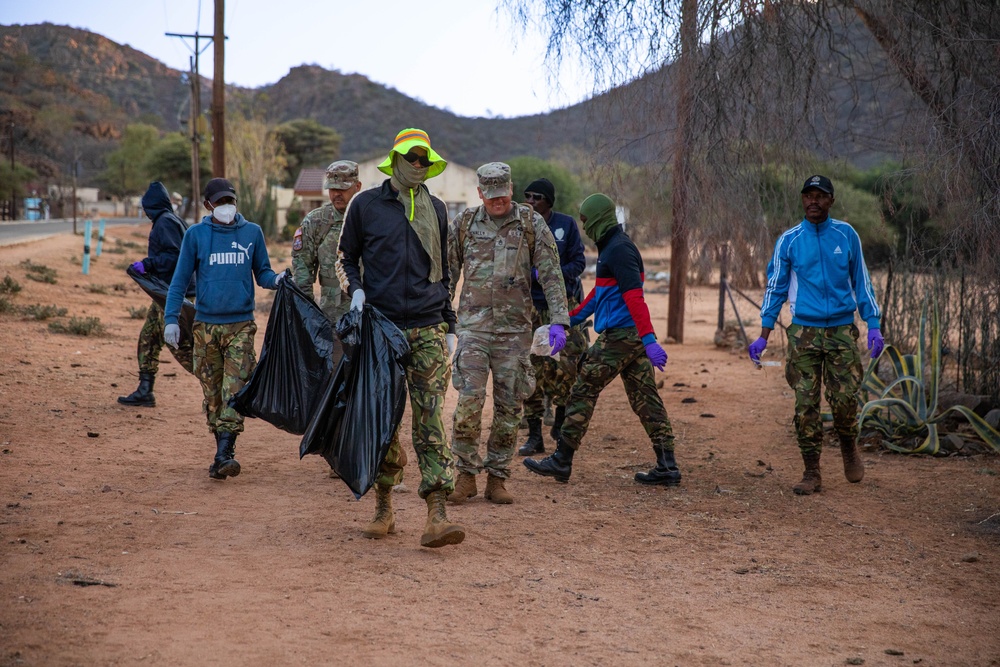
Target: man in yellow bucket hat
<point x="399" y="232"/>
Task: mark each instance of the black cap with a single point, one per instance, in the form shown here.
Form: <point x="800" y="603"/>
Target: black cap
<point x="544" y="187"/>
<point x="217" y="188"/>
<point x="820" y="183"/>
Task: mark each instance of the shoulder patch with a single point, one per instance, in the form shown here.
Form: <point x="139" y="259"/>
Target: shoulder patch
<point x="297" y="240"/>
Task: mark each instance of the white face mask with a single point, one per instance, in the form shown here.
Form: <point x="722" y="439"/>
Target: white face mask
<point x="225" y="213"/>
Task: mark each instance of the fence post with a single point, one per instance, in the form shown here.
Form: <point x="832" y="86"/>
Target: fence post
<point x="100" y="238"/>
<point x="87" y="230"/>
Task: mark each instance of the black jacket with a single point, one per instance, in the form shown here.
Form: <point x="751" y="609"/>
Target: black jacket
<point x="165" y="237"/>
<point x="377" y="234"/>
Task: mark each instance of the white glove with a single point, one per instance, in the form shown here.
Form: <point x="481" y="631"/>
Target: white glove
<point x="358" y="300"/>
<point x="452" y="342"/>
<point x="172" y="335"/>
<point x="278" y="278"/>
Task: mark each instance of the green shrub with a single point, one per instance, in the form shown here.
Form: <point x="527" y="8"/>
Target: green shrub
<point x="97" y="289"/>
<point x="39" y="312"/>
<point x="79" y="326"/>
<point x="138" y="313"/>
<point x="9" y="286"/>
<point x="7" y="306"/>
<point x="39" y="272"/>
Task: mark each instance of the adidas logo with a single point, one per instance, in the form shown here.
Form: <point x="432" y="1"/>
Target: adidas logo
<point x="838" y="251"/>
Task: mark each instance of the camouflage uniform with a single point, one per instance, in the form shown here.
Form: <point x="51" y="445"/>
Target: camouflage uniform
<point x="554" y="378"/>
<point x="494" y="324"/>
<point x="151" y="344"/>
<point x="224" y="358"/>
<point x="830" y="355"/>
<point x="314" y="250"/>
<point x="427" y="375"/>
<point x="617" y="351"/>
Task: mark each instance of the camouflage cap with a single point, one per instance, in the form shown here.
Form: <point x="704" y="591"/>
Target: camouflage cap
<point x="341" y="175"/>
<point x="494" y="180"/>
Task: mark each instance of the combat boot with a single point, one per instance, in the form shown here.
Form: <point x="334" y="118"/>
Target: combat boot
<point x="811" y="481"/>
<point x="496" y="492"/>
<point x="557" y="422"/>
<point x="559" y="465"/>
<point x="666" y="472"/>
<point x="535" y="444"/>
<point x="465" y="488"/>
<point x="384" y="522"/>
<point x="224" y="464"/>
<point x="143" y="395"/>
<point x="439" y="532"/>
<point x="854" y="467"/>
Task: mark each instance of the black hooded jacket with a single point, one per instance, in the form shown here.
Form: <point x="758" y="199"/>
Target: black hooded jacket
<point x="165" y="237"/>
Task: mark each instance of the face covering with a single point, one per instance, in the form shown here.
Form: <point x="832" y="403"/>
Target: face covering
<point x="225" y="213"/>
<point x="600" y="213"/>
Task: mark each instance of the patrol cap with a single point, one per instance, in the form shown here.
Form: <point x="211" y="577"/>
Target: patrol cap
<point x="820" y="183"/>
<point x="494" y="179"/>
<point x="217" y="188"/>
<point x="341" y="175"/>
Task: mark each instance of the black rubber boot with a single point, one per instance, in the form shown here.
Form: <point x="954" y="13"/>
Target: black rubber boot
<point x="559" y="465"/>
<point x="535" y="444"/>
<point x="665" y="473"/>
<point x="558" y="422"/>
<point x="143" y="396"/>
<point x="224" y="464"/>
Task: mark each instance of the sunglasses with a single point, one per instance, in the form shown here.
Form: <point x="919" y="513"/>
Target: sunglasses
<point x="533" y="196"/>
<point x="412" y="157"/>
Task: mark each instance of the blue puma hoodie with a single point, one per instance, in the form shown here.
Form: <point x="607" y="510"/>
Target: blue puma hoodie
<point x="227" y="258"/>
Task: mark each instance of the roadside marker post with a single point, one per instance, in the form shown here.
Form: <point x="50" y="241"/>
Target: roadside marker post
<point x="88" y="228"/>
<point x="100" y="238"/>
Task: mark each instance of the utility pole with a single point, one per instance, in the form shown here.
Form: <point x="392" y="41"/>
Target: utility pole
<point x="219" y="94"/>
<point x="195" y="116"/>
<point x="76" y="168"/>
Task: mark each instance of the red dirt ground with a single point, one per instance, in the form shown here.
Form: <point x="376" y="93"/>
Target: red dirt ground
<point x="270" y="568"/>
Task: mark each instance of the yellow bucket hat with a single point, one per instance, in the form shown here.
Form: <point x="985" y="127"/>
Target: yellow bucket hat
<point x="406" y="140"/>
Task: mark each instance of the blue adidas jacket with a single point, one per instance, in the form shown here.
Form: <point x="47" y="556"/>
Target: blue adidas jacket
<point x="227" y="259"/>
<point x="820" y="270"/>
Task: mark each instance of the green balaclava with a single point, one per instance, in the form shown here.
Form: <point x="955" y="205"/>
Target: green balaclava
<point x="600" y="213"/>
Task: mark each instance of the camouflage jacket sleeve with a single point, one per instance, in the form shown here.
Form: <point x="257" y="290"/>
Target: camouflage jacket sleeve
<point x="304" y="257"/>
<point x="545" y="257"/>
<point x="455" y="253"/>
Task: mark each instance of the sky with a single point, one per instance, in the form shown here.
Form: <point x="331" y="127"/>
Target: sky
<point x="459" y="55"/>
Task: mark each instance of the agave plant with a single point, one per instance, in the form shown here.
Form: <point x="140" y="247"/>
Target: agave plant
<point x="907" y="407"/>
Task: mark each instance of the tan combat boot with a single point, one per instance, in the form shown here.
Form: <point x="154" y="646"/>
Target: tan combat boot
<point x="495" y="491"/>
<point x="384" y="522"/>
<point x="439" y="532"/>
<point x="854" y="467"/>
<point x="811" y="481"/>
<point x="465" y="488"/>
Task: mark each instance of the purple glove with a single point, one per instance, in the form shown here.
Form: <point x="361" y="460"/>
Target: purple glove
<point x="875" y="342"/>
<point x="657" y="355"/>
<point x="557" y="338"/>
<point x="139" y="267"/>
<point x="756" y="349"/>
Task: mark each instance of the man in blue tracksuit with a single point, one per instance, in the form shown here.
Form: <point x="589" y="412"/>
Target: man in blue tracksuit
<point x="626" y="345"/>
<point x="818" y="267"/>
<point x="228" y="252"/>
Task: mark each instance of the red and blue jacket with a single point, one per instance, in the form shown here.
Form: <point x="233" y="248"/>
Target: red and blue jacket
<point x="616" y="301"/>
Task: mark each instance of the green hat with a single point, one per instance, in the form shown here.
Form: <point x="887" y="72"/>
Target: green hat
<point x="406" y="140"/>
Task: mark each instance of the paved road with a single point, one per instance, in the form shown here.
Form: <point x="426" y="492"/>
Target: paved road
<point x="20" y="231"/>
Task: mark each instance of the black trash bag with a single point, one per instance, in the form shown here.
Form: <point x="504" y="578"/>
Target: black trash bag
<point x="297" y="359"/>
<point x="363" y="402"/>
<point x="157" y="289"/>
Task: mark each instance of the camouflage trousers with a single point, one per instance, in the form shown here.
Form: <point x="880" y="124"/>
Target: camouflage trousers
<point x="829" y="355"/>
<point x="333" y="303"/>
<point x="506" y="356"/>
<point x="427" y="375"/>
<point x="555" y="378"/>
<point x="617" y="352"/>
<point x="224" y="358"/>
<point x="151" y="343"/>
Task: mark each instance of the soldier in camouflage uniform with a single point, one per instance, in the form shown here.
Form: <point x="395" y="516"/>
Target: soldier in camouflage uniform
<point x="496" y="245"/>
<point x="626" y="346"/>
<point x="314" y="248"/>
<point x="819" y="268"/>
<point x="229" y="253"/>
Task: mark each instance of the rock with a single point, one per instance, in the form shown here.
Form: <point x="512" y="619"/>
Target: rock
<point x="993" y="419"/>
<point x="952" y="443"/>
<point x="854" y="661"/>
<point x="689" y="399"/>
<point x="971" y="557"/>
<point x="981" y="405"/>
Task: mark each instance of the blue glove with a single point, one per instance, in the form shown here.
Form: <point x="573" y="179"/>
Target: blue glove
<point x="657" y="355"/>
<point x="756" y="349"/>
<point x="875" y="342"/>
<point x="534" y="274"/>
<point x="139" y="267"/>
<point x="557" y="338"/>
<point x="172" y="335"/>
